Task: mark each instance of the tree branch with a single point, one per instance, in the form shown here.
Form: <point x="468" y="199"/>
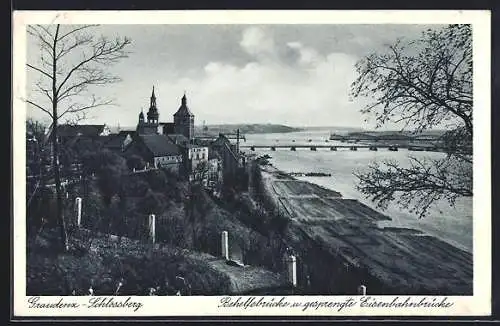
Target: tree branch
<point x="39" y="70"/>
<point x="40" y="107"/>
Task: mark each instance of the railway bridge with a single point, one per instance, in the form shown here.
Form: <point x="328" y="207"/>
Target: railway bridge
<point x="353" y="147"/>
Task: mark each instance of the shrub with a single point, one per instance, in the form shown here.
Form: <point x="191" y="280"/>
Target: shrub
<point x="135" y="162"/>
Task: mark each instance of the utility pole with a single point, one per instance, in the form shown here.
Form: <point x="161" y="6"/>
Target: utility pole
<point x="238" y="141"/>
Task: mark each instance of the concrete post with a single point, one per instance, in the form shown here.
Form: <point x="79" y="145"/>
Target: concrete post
<point x="225" y="245"/>
<point x="291" y="264"/>
<point x="362" y="290"/>
<point x="152" y="227"/>
<point x="78" y="209"/>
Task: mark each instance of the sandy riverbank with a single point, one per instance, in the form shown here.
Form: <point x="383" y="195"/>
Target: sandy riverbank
<point x="406" y="260"/>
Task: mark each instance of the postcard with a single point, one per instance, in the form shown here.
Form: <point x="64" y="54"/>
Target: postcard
<point x="251" y="163"/>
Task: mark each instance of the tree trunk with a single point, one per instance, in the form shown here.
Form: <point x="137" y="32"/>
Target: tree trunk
<point x="57" y="177"/>
<point x="55" y="145"/>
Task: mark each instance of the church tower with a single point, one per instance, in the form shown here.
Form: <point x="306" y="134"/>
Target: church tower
<point x="153" y="110"/>
<point x="184" y="120"/>
<point x="151" y="125"/>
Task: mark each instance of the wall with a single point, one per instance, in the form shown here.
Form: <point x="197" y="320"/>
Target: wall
<point x="169" y="162"/>
<point x="198" y="155"/>
<point x="139" y="149"/>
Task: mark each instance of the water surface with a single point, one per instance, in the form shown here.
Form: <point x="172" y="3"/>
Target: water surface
<point x="451" y="224"/>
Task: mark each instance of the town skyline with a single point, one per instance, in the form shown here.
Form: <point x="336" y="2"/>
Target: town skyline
<point x="296" y="75"/>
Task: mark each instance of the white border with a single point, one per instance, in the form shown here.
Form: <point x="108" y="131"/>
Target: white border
<point x="478" y="304"/>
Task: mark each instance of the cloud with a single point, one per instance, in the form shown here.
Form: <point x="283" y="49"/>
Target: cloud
<point x="307" y="55"/>
<point x="257" y="42"/>
<point x="311" y="91"/>
<point x="257" y="74"/>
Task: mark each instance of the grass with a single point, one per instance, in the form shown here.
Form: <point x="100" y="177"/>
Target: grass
<point x="103" y="262"/>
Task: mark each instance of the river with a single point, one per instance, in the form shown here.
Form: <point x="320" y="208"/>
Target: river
<point x="451" y="224"/>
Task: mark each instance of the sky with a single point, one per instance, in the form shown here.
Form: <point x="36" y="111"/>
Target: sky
<point x="296" y="75"/>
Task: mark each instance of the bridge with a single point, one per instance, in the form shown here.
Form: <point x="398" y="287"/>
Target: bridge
<point x="228" y="136"/>
<point x="382" y="137"/>
<point x="337" y="147"/>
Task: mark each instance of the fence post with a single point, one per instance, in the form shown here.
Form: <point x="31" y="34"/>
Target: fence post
<point x="291" y="264"/>
<point x="362" y="290"/>
<point x="78" y="207"/>
<point x="225" y="245"/>
<point x="152" y="227"/>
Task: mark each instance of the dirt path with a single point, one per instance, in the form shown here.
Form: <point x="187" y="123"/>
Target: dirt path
<point x="243" y="279"/>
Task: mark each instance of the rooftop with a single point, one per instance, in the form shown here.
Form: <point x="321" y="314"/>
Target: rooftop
<point x="183" y="109"/>
<point x="160" y="145"/>
<point x="66" y="130"/>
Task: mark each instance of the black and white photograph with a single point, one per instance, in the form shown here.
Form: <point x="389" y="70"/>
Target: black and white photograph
<point x="265" y="160"/>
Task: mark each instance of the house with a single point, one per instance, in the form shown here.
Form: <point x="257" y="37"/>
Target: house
<point x="193" y="155"/>
<point x="232" y="160"/>
<point x="118" y="142"/>
<point x="157" y="151"/>
<point x="66" y="132"/>
<point x="196" y="156"/>
<point x="214" y="174"/>
<point x="74" y="140"/>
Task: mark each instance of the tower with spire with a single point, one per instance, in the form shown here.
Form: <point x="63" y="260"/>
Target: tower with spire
<point x="184" y="120"/>
<point x="151" y="125"/>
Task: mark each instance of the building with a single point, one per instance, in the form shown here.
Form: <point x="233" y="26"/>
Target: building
<point x="157" y="151"/>
<point x="68" y="132"/>
<point x="197" y="155"/>
<point x="118" y="142"/>
<point x="74" y="140"/>
<point x="180" y="133"/>
<point x="214" y="176"/>
<point x="151" y="126"/>
<point x="232" y="160"/>
<point x="167" y="128"/>
<point x="184" y="120"/>
<point x="193" y="155"/>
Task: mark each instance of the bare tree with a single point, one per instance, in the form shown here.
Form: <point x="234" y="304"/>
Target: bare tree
<point x="72" y="59"/>
<point x="421" y="84"/>
<point x="36" y="129"/>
